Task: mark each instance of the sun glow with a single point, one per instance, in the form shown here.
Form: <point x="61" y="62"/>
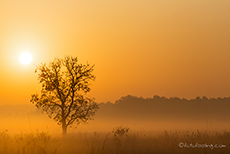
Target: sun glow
<point x="25" y="58"/>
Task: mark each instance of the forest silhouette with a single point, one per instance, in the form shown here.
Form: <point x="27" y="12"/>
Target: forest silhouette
<point x="168" y="108"/>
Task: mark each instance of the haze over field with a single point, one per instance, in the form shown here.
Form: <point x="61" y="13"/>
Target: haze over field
<point x="139" y="114"/>
<point x="153" y="74"/>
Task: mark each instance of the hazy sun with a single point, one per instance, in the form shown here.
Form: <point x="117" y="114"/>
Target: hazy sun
<point x="25" y="58"/>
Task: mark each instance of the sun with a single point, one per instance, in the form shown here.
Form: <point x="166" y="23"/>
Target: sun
<point x="25" y="58"/>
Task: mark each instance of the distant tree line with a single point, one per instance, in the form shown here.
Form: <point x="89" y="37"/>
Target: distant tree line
<point x="133" y="107"/>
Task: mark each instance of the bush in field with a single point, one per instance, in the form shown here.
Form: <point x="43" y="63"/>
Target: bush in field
<point x="120" y="131"/>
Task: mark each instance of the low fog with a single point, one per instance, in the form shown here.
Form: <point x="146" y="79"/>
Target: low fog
<point x="137" y="113"/>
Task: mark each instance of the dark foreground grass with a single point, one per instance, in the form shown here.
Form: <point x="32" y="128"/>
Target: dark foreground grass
<point x="119" y="141"/>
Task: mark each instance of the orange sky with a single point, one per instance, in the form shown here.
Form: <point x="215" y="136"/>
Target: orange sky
<point x="140" y="47"/>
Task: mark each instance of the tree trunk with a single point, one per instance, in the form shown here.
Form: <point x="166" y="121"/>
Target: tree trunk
<point x="64" y="128"/>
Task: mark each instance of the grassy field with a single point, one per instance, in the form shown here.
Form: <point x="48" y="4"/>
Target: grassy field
<point x="119" y="141"/>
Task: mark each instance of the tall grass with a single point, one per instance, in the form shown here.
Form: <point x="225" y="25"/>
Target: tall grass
<point x="27" y="143"/>
<point x="119" y="141"/>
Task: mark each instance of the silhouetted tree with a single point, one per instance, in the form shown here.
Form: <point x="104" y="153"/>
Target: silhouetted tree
<point x="65" y="84"/>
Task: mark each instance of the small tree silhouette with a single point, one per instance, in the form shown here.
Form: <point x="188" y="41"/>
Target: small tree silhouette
<point x="65" y="84"/>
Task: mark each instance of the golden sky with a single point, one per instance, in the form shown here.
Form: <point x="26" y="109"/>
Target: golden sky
<point x="139" y="47"/>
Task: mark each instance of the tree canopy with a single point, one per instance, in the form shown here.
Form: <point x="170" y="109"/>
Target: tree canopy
<point x="65" y="84"/>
